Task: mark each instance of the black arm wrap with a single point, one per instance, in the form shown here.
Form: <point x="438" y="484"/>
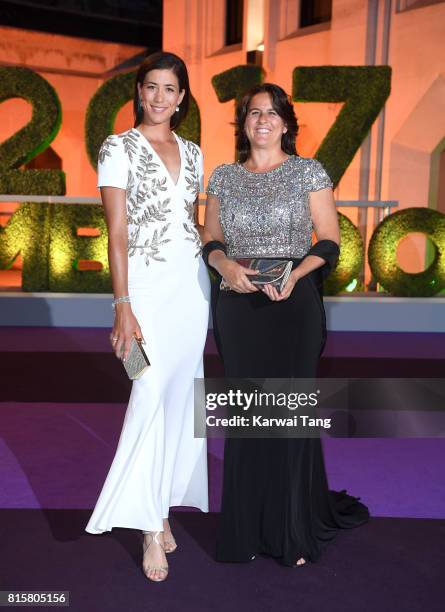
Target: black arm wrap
<point x="327" y="250"/>
<point x="213" y="245"/>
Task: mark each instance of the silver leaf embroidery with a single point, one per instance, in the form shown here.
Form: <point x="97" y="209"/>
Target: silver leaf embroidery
<point x="105" y="150"/>
<point x="190" y="227"/>
<point x="146" y="206"/>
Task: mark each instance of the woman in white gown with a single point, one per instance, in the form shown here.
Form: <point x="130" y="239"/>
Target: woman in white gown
<point x="150" y="179"/>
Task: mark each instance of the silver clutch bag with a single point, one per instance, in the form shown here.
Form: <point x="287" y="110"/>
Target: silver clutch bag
<point x="137" y="361"/>
<point x="273" y="272"/>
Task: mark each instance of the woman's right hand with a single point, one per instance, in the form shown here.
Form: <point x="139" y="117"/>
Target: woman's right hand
<point x="237" y="276"/>
<point x="124" y="328"/>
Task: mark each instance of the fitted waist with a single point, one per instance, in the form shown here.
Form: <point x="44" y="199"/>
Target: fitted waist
<point x="263" y="252"/>
<point x="270" y="246"/>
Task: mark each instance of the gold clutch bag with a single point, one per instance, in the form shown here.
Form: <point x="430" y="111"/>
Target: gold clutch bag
<point x="137" y="361"/>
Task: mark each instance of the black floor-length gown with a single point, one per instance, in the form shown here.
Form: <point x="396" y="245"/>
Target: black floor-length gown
<point x="275" y="497"/>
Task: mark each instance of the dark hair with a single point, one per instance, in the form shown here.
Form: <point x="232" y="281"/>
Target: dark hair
<point x="163" y="61"/>
<point x="281" y="105"/>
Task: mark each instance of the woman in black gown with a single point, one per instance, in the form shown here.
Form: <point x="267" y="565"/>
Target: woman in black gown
<point x="275" y="499"/>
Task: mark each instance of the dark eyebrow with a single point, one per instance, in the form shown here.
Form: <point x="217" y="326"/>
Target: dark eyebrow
<point x="256" y="108"/>
<point x="154" y="83"/>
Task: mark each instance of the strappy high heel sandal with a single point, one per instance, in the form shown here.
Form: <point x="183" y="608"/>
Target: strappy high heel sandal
<point x="154" y="538"/>
<point x="170" y="543"/>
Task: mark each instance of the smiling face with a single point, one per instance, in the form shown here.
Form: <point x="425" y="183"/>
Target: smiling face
<point x="263" y="126"/>
<point x="160" y="95"/>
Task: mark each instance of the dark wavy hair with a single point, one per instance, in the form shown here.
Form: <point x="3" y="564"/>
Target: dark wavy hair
<point x="281" y="104"/>
<point x="163" y="60"/>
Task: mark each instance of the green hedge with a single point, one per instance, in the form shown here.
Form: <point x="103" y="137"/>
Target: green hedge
<point x="28" y="233"/>
<point x="33" y="182"/>
<point x="351" y="258"/>
<point x="363" y="89"/>
<point x="382" y="252"/>
<point x="102" y="110"/>
<point x="190" y="128"/>
<point x="232" y="84"/>
<point x="32" y="139"/>
<point x="67" y="248"/>
<point x="46" y="237"/>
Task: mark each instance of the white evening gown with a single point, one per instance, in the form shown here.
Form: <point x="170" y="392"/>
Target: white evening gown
<point x="158" y="462"/>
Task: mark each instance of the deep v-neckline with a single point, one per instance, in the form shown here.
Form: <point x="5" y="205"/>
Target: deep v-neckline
<point x="166" y="170"/>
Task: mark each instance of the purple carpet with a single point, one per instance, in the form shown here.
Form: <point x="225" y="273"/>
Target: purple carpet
<point x="385" y="566"/>
<point x="339" y="344"/>
<point x="57" y="456"/>
<point x="62" y="402"/>
<point x="57" y="438"/>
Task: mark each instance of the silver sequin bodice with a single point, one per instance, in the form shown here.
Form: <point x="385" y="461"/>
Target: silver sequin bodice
<point x="267" y="214"/>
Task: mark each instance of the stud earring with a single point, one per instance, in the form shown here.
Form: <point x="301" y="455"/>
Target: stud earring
<point x="177" y="109"/>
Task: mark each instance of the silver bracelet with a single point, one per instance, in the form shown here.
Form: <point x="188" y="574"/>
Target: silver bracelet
<point x="120" y="300"/>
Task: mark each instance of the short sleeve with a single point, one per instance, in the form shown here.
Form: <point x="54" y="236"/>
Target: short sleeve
<point x="317" y="177"/>
<point x="215" y="184"/>
<point x="112" y="165"/>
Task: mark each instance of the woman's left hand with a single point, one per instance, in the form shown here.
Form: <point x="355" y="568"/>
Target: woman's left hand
<point x="275" y="295"/>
